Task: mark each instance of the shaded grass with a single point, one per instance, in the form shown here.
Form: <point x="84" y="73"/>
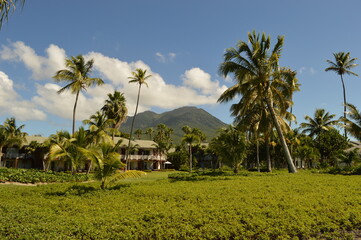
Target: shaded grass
<point x="257" y="206"/>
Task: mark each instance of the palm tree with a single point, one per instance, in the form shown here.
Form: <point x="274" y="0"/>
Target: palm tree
<point x="139" y="76"/>
<point x="150" y="132"/>
<point x="230" y="146"/>
<point x="66" y="147"/>
<point x="190" y="139"/>
<point x="99" y="126"/>
<point x="342" y="65"/>
<point x="259" y="80"/>
<point x="77" y="76"/>
<point x="139" y="133"/>
<point x="115" y="108"/>
<point x="106" y="159"/>
<point x="353" y="122"/>
<point x="322" y="121"/>
<point x="8" y="6"/>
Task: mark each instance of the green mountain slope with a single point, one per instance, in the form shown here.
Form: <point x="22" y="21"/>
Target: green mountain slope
<point x="176" y="119"/>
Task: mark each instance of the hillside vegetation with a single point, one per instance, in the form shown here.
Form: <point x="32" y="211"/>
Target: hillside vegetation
<point x="176" y="119"/>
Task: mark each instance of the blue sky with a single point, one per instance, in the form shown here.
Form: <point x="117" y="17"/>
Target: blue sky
<point x="181" y="43"/>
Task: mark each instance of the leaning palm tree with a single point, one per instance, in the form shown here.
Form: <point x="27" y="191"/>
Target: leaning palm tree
<point x="342" y="65"/>
<point x="139" y="76"/>
<point x="259" y="80"/>
<point x="321" y="121"/>
<point x="77" y="75"/>
<point x="353" y="121"/>
<point x="8" y="6"/>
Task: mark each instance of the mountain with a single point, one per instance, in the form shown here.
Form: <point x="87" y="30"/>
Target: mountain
<point x="176" y="119"/>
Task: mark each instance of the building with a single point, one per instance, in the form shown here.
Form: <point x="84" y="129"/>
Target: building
<point x="144" y="156"/>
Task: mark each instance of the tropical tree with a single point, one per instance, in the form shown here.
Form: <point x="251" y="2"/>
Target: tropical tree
<point x="342" y="65"/>
<point x="139" y="76"/>
<point x="139" y="133"/>
<point x="106" y="158"/>
<point x="115" y="108"/>
<point x="322" y="121"/>
<point x="353" y="121"/>
<point x="150" y="132"/>
<point x="330" y="145"/>
<point x="8" y="6"/>
<point x="230" y="146"/>
<point x="99" y="126"/>
<point x="190" y="139"/>
<point x="66" y="147"/>
<point x="260" y="80"/>
<point x="162" y="138"/>
<point x="77" y="75"/>
<point x="11" y="135"/>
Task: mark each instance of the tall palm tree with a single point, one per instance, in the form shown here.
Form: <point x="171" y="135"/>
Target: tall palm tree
<point x="8" y="6"/>
<point x="353" y="122"/>
<point x="321" y="121"/>
<point x="150" y="132"/>
<point x="139" y="76"/>
<point x="139" y="133"/>
<point x="77" y="75"/>
<point x="115" y="108"/>
<point x="259" y="80"/>
<point x="190" y="139"/>
<point x="342" y="65"/>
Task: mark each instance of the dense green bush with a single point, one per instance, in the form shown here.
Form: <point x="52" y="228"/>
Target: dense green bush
<point x="257" y="206"/>
<point x="38" y="176"/>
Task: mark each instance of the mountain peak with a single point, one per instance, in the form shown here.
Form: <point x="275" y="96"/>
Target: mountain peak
<point x="176" y="119"/>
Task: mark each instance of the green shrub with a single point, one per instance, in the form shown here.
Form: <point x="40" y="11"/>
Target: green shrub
<point x="39" y="176"/>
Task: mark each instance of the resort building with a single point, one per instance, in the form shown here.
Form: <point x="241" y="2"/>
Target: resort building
<point x="144" y="155"/>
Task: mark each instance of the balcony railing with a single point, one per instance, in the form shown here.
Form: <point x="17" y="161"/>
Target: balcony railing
<point x="145" y="157"/>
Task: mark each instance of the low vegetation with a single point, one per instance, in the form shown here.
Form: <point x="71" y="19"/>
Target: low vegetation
<point x="37" y="176"/>
<point x="226" y="206"/>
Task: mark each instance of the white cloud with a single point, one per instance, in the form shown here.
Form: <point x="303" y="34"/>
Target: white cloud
<point x="160" y="57"/>
<point x="308" y="70"/>
<point x="159" y="93"/>
<point x="11" y="103"/>
<point x="199" y="79"/>
<point x="41" y="67"/>
<point x="171" y="56"/>
<point x="197" y="87"/>
<point x="165" y="58"/>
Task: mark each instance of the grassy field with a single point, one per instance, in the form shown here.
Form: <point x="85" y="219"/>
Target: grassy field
<point x="258" y="206"/>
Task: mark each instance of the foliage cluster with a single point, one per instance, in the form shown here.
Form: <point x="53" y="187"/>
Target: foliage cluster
<point x="37" y="176"/>
<point x="260" y="206"/>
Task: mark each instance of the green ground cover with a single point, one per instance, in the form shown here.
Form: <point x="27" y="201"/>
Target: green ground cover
<point x="251" y="206"/>
<point x="36" y="176"/>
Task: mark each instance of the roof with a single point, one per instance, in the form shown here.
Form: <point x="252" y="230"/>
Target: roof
<point x="35" y="138"/>
<point x="149" y="144"/>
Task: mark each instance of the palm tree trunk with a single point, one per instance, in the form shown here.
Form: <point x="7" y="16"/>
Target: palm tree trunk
<point x="344" y="101"/>
<point x="268" y="155"/>
<point x="131" y="128"/>
<point x="257" y="152"/>
<point x="291" y="166"/>
<point x="74" y="110"/>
